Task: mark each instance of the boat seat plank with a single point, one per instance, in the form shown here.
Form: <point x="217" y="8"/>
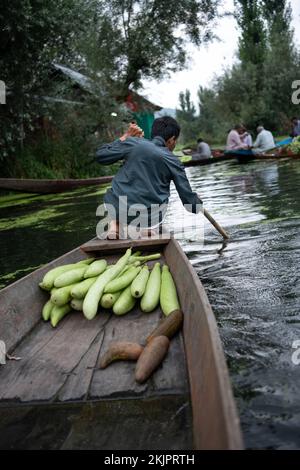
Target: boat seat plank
<point x="97" y="246"/>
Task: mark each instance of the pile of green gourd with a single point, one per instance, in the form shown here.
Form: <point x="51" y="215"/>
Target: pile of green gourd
<point x="85" y="285"/>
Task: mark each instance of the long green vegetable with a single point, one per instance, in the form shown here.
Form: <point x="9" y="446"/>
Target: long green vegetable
<point x="145" y="258"/>
<point x="49" y="278"/>
<point x="150" y="299"/>
<point x="58" y="313"/>
<point x="62" y="295"/>
<point x="86" y="261"/>
<point x="70" y="277"/>
<point x="123" y="281"/>
<point x="46" y="312"/>
<point x="125" y="302"/>
<point x="80" y="290"/>
<point x="77" y="304"/>
<point x="92" y="298"/>
<point x="108" y="300"/>
<point x="168" y="294"/>
<point x="96" y="268"/>
<point x="139" y="284"/>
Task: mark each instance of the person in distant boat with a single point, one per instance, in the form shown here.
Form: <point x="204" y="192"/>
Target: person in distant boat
<point x="203" y="150"/>
<point x="264" y="142"/>
<point x="246" y="138"/>
<point x="295" y="127"/>
<point x="234" y="139"/>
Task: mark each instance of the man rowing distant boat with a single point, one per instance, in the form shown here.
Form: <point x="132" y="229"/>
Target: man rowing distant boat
<point x="142" y="185"/>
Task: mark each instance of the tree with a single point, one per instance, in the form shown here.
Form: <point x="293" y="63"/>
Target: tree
<point x="33" y="34"/>
<point x="137" y="39"/>
<point x="252" y="42"/>
<point x="208" y="120"/>
<point x="282" y="65"/>
<point x="186" y="117"/>
<point x="257" y="89"/>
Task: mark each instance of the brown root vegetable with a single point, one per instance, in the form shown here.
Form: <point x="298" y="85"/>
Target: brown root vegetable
<point x="122" y="351"/>
<point x="168" y="326"/>
<point x="151" y="357"/>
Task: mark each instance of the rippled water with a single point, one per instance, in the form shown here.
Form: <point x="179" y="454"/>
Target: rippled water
<point x="253" y="284"/>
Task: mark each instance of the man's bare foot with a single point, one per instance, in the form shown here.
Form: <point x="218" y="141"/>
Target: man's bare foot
<point x="113" y="231"/>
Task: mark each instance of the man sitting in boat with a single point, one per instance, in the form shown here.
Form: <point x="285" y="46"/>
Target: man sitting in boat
<point x="146" y="175"/>
<point x="264" y="142"/>
<point x="295" y="127"/>
<point x="203" y="150"/>
<point x="234" y="139"/>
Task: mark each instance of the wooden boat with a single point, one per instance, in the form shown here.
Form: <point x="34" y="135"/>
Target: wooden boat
<point x="56" y="397"/>
<point x="264" y="156"/>
<point x="217" y="156"/>
<point x="208" y="161"/>
<point x="47" y="186"/>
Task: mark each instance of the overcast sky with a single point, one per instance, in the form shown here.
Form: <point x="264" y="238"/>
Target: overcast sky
<point x="206" y="62"/>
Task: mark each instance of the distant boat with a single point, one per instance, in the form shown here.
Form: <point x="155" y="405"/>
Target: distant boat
<point x="46" y="186"/>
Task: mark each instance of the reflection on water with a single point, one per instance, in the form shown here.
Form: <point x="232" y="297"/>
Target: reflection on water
<point x="254" y="287"/>
<point x="252" y="283"/>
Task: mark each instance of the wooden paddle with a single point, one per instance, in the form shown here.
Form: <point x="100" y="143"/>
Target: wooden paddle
<point x="216" y="225"/>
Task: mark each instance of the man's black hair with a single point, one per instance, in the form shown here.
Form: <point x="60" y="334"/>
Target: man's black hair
<point x="200" y="140"/>
<point x="294" y="119"/>
<point x="165" y="127"/>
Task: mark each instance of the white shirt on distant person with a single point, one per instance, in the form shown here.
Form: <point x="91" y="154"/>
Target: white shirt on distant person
<point x="203" y="151"/>
<point x="264" y="142"/>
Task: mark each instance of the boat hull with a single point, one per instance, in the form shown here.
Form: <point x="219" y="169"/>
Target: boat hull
<point x="58" y="376"/>
<point x="48" y="186"/>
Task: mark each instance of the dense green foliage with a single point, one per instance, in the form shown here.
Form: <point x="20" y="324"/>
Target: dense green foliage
<point x="186" y="115"/>
<point x="113" y="43"/>
<point x="258" y="88"/>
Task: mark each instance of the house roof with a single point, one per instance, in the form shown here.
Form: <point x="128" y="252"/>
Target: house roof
<point x="134" y="101"/>
<point x="139" y="103"/>
<point x="84" y="82"/>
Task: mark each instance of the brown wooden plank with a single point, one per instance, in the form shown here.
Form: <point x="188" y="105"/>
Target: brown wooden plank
<point x="112" y="246"/>
<point x="40" y="376"/>
<point x="117" y="380"/>
<point x="215" y="420"/>
<point x="172" y="377"/>
<point x="78" y="383"/>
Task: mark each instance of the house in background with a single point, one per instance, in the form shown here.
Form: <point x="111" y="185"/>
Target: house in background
<point x="143" y="111"/>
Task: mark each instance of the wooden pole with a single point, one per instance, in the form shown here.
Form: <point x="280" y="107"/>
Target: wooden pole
<point x="216" y="225"/>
